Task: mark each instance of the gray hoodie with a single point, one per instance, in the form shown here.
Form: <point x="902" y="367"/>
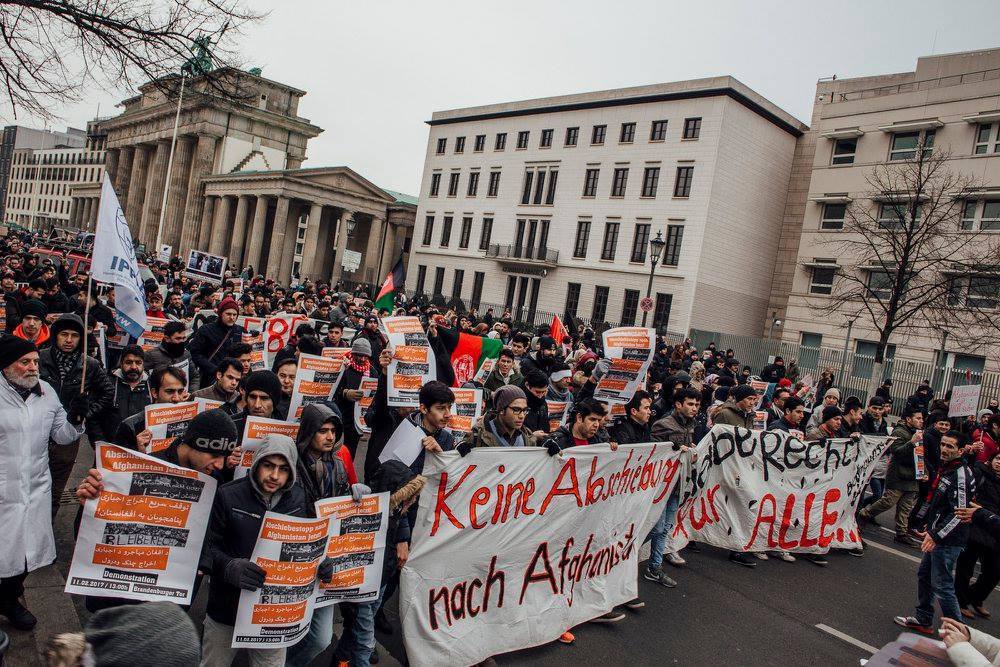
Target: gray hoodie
<point x="274" y="443"/>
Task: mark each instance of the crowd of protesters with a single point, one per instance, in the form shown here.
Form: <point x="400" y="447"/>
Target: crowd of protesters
<point x="51" y="316"/>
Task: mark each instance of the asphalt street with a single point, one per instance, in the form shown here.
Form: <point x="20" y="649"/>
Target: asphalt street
<point x="721" y="613"/>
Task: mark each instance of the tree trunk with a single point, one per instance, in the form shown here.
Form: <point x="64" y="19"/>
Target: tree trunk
<point x="876" y="379"/>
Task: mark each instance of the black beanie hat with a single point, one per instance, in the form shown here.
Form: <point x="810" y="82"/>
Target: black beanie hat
<point x="161" y="631"/>
<point x="212" y="432"/>
<point x="741" y="392"/>
<point x="34" y="307"/>
<point x="13" y="348"/>
<point x="831" y="412"/>
<point x="265" y="381"/>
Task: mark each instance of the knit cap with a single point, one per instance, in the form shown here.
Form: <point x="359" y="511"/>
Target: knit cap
<point x="265" y="381"/>
<point x="212" y="432"/>
<point x="505" y="395"/>
<point x="158" y="634"/>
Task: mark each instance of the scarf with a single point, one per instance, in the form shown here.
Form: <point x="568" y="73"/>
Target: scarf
<point x="363" y="366"/>
<point x="65" y="361"/>
<point x="518" y="438"/>
<point x="946" y="467"/>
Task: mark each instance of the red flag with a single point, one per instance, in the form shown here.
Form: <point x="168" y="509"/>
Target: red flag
<point x="557" y="330"/>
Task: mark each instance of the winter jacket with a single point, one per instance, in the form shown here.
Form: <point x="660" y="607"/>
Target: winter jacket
<point x="483" y="436"/>
<point x="537" y="418"/>
<point x="125" y="402"/>
<point x="335" y="480"/>
<point x="494" y="380"/>
<point x="562" y="437"/>
<point x="210" y="344"/>
<point x="732" y="415"/>
<point x="901" y="475"/>
<point x="988" y="497"/>
<point x="97" y="385"/>
<point x="158" y="357"/>
<point x="869" y="427"/>
<point x="237" y="513"/>
<point x="630" y="432"/>
<point x="676" y="429"/>
<point x="128" y="429"/>
<point x="956" y="488"/>
<point x="216" y="394"/>
<point x="383" y="421"/>
<point x="404" y="487"/>
<point x="772" y="373"/>
<point x="782" y="425"/>
<point x="531" y="362"/>
<point x="443" y="437"/>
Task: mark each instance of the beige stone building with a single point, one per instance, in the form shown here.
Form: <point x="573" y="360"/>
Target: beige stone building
<point x="951" y="100"/>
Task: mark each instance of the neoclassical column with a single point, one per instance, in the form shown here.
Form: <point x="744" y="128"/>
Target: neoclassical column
<point x="220" y="225"/>
<point x="239" y="230"/>
<point x="137" y="187"/>
<point x="205" y="226"/>
<point x="201" y="166"/>
<point x="156" y="180"/>
<point x="288" y="247"/>
<point x="74" y="212"/>
<point x="311" y="242"/>
<point x="111" y="161"/>
<point x="255" y="240"/>
<point x="338" y="260"/>
<point x="373" y="249"/>
<point x="85" y="216"/>
<point x="177" y="195"/>
<point x="123" y="175"/>
<point x="278" y="231"/>
<point x="95" y="206"/>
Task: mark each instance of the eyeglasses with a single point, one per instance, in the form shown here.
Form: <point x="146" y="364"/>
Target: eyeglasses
<point x="518" y="411"/>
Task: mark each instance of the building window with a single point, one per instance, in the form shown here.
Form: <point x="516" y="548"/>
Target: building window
<point x="442" y="145"/>
<point x="661" y="311"/>
<point x="428" y="230"/>
<point x="988" y="215"/>
<point x="572" y="299"/>
<point x="582" y="238"/>
<point x="494" y="185"/>
<point x="984" y="292"/>
<point x="453" y="183"/>
<point x="473" y="184"/>
<point x="459" y="144"/>
<point x="904" y="144"/>
<point x="969" y="215"/>
<point x="639" y="242"/>
<point x="539" y="187"/>
<point x="880" y="283"/>
<point x="896" y="215"/>
<point x="985" y="136"/>
<point x="438" y="279"/>
<point x="526" y="192"/>
<point x="421" y="278"/>
<point x="619" y="182"/>
<point x="844" y="150"/>
<point x="484" y="235"/>
<point x="590" y="182"/>
<point x="672" y="251"/>
<point x="822" y="280"/>
<point x="478" y="278"/>
<point x="610" y="244"/>
<point x="456" y="285"/>
<point x="833" y="216"/>
<point x="692" y="128"/>
<point x="658" y="130"/>
<point x="501" y="141"/>
<point x="597" y="136"/>
<point x="650" y="179"/>
<point x="463" y="237"/>
<point x="810" y="348"/>
<point x="550" y="194"/>
<point x="546" y="141"/>
<point x="600" y="310"/>
<point x="522" y="139"/>
<point x="682" y="186"/>
<point x="445" y="231"/>
<point x="572" y="133"/>
<point x="629" y="306"/>
<point x="480" y="144"/>
<point x="627" y="135"/>
<point x="435" y="184"/>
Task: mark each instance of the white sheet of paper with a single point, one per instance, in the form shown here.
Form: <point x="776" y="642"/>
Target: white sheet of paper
<point x="404" y="445"/>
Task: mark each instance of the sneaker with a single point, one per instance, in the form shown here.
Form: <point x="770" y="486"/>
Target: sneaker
<point x="19" y="616"/>
<point x="659" y="577"/>
<point x="566" y="638"/>
<point x="912" y="623"/>
<point x="817" y="559"/>
<point x="907" y="540"/>
<point x="382" y="623"/>
<point x="635" y="604"/>
<point x="612" y="616"/>
<point x="744" y="559"/>
<point x="760" y="555"/>
<point x="785" y="556"/>
<point x="857" y="553"/>
<point x="675" y="559"/>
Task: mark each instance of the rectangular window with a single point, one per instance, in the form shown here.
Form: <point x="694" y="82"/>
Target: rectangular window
<point x="661" y="311"/>
<point x="629" y="306"/>
<point x="880" y="283"/>
<point x="459" y="144"/>
<point x="509" y="296"/>
<point x="442" y="146"/>
<point x="692" y="128"/>
<point x="590" y="182"/>
<point x="572" y="298"/>
<point x="984" y="137"/>
<point x="463" y="237"/>
<point x="844" y="150"/>
<point x="597" y="136"/>
<point x="639" y="242"/>
<point x="478" y="278"/>
<point x="550" y="194"/>
<point x="518" y="238"/>
<point x="456" y="285"/>
<point x="984" y="292"/>
<point x="453" y="183"/>
<point x="582" y="238"/>
<point x="438" y="279"/>
<point x="610" y="244"/>
<point x="810" y="348"/>
<point x="672" y="251"/>
<point x="473" y="184"/>
<point x="991" y="216"/>
<point x="445" y="231"/>
<point x="572" y="133"/>
<point x="969" y="215"/>
<point x="904" y="144"/>
<point x="539" y="186"/>
<point x="546" y="141"/>
<point x="650" y="179"/>
<point x="484" y="235"/>
<point x="501" y="141"/>
<point x="435" y="184"/>
<point x="480" y="143"/>
<point x="682" y="186"/>
<point x="822" y="280"/>
<point x="833" y="216"/>
<point x="619" y="182"/>
<point x="421" y="278"/>
<point x="896" y="215"/>
<point x="627" y="135"/>
<point x="493" y="188"/>
<point x="428" y="230"/>
<point x="522" y="139"/>
<point x="600" y="304"/>
<point x="526" y="192"/>
<point x="658" y="130"/>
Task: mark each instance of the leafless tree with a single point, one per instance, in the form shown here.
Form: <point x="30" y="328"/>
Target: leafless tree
<point x="919" y="267"/>
<point x="53" y="51"/>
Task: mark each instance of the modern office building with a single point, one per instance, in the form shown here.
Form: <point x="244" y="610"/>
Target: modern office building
<point x="16" y="137"/>
<point x="548" y="205"/>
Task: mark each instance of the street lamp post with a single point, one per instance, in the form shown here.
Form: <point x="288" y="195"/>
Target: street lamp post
<point x="655" y="250"/>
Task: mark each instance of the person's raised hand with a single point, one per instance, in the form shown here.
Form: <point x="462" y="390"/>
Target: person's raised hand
<point x="952" y="632"/>
<point x="90" y="487"/>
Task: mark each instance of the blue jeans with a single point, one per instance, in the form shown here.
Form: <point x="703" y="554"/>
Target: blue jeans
<point x="316" y="640"/>
<point x="877" y="488"/>
<point x="358" y="641"/>
<point x="936" y="579"/>
<point x="658" y="536"/>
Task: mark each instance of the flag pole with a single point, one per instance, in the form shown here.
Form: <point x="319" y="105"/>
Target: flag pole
<point x="86" y="316"/>
<point x="170" y="164"/>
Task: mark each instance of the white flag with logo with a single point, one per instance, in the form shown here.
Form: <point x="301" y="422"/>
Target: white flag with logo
<point x="114" y="262"/>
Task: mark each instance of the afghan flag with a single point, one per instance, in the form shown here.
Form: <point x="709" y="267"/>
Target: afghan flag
<point x="467" y="353"/>
<point x="393" y="283"/>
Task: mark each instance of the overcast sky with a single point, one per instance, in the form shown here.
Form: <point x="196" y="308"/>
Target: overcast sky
<point x="375" y="70"/>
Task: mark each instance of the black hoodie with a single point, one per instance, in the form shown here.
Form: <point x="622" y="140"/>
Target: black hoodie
<point x="313" y="417"/>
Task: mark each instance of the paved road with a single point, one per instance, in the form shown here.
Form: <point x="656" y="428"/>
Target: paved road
<point x="720" y="612"/>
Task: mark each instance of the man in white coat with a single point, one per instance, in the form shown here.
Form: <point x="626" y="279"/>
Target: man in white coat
<point x="30" y="414"/>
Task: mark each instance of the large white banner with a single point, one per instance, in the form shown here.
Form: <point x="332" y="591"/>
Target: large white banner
<point x="113" y="261"/>
<point x="141" y="538"/>
<point x="630" y="352"/>
<point x="762" y="491"/>
<point x="513" y="547"/>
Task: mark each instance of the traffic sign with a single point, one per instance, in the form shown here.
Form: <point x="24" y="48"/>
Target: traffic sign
<point x="645" y="304"/>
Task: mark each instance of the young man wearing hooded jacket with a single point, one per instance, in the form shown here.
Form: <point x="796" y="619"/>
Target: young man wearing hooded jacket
<point x="211" y="343"/>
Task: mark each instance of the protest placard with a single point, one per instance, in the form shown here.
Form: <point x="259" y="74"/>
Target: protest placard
<point x="167" y="421"/>
<point x="205" y="266"/>
<point x="336" y="352"/>
<point x="357" y="546"/>
<point x="964" y="400"/>
<point x="152" y="336"/>
<point x="630" y="352"/>
<point x="485" y="369"/>
<point x="316" y="378"/>
<point x="412" y="364"/>
<point x="367" y="389"/>
<point x="254" y="431"/>
<point x="277" y="331"/>
<point x="465" y="411"/>
<point x="141" y="538"/>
